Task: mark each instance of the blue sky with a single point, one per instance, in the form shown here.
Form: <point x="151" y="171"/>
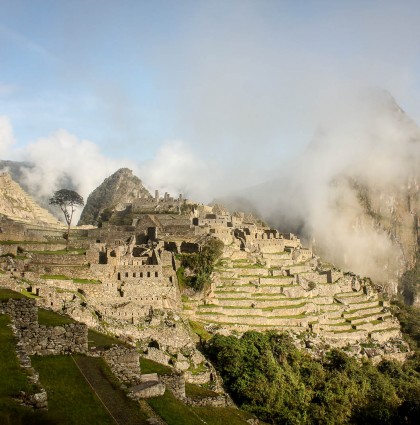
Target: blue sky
<point x="224" y="83"/>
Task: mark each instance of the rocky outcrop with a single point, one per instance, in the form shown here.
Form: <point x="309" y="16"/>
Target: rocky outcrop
<point x="16" y="204"/>
<point x="113" y="194"/>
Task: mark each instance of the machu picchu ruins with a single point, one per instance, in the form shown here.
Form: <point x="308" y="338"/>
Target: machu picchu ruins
<point x="160" y="277"/>
<point x="123" y="278"/>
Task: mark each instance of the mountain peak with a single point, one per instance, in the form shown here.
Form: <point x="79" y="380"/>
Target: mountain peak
<point x="114" y="193"/>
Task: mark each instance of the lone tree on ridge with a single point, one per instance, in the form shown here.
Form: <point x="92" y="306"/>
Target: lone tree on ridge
<point x="67" y="200"/>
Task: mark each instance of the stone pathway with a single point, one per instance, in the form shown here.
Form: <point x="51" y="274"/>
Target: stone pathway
<point x="120" y="408"/>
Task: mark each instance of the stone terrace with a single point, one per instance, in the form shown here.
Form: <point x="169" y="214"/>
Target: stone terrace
<point x="246" y="295"/>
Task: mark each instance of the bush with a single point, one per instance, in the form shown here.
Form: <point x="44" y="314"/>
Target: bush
<point x="268" y="376"/>
<point x="200" y="265"/>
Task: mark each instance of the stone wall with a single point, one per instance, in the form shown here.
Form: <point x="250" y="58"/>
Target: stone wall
<point x="176" y="383"/>
<point x="41" y="340"/>
<point x="57" y="259"/>
<point x="46" y="340"/>
<point x="124" y="363"/>
<point x="71" y="271"/>
<point x="221" y="400"/>
<point x="23" y="312"/>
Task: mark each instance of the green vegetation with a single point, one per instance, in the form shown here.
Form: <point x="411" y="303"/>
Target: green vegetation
<point x="108" y="388"/>
<point x="409" y="318"/>
<point x="266" y="375"/>
<point x="5" y="294"/>
<point x="248" y="266"/>
<point x="197" y="391"/>
<point x="200" y="265"/>
<point x="180" y="274"/>
<point x="149" y="366"/>
<point x="55" y="277"/>
<point x="70" y="399"/>
<point x="29" y="294"/>
<point x="51" y="318"/>
<point x="198" y="328"/>
<point x="68" y="201"/>
<point x="174" y="412"/>
<point x="100" y="340"/>
<point x="13" y="380"/>
<point x="90" y="281"/>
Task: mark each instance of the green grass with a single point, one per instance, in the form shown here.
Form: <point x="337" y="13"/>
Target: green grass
<point x="180" y="275"/>
<point x="5" y="294"/>
<point x="280" y="307"/>
<point x="197" y="370"/>
<point x="100" y="340"/>
<point x="208" y="305"/>
<point x="222" y="415"/>
<point x="14" y="379"/>
<point x="149" y="366"/>
<point x="235" y="299"/>
<point x="55" y="277"/>
<point x="196" y="391"/>
<point x="248" y="266"/>
<point x="70" y="399"/>
<point x="347" y="331"/>
<point x="173" y="412"/>
<point x="28" y="294"/>
<point x="90" y="281"/>
<point x="198" y="328"/>
<point x="51" y="318"/>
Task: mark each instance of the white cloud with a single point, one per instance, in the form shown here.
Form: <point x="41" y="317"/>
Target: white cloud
<point x="64" y="161"/>
<point x="176" y="169"/>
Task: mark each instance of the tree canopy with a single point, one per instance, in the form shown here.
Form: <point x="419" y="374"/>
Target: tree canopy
<point x="267" y="375"/>
<point x="201" y="264"/>
<point x="67" y="200"/>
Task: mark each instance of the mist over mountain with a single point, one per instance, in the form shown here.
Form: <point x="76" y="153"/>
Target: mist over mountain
<point x="354" y="193"/>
